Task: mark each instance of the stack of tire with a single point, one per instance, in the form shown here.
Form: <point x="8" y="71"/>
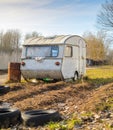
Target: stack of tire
<point x="33" y="118"/>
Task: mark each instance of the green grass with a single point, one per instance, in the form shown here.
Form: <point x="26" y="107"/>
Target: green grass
<point x="100" y="72"/>
<point x="65" y="125"/>
<point x="57" y="125"/>
<point x="87" y="114"/>
<point x="103" y="106"/>
<point x="100" y="75"/>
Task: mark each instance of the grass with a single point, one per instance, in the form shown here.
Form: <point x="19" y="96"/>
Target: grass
<point x="57" y="125"/>
<point x="87" y="114"/>
<point x="65" y="125"/>
<point x="100" y="72"/>
<point x="100" y="75"/>
<point x="96" y="76"/>
<point x="105" y="105"/>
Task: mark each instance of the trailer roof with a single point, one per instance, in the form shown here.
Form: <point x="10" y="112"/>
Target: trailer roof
<point x="47" y="40"/>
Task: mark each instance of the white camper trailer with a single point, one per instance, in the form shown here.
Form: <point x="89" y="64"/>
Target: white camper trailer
<point x="60" y="57"/>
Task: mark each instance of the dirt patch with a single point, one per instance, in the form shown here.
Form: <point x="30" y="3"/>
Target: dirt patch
<point x="64" y="97"/>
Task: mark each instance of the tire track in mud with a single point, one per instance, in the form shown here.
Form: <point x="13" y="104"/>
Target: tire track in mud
<point x="45" y="99"/>
<point x="52" y="98"/>
<point x="47" y="96"/>
<point x="30" y="92"/>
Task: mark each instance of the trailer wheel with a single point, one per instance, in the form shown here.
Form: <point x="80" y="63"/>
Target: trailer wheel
<point x="9" y="117"/>
<point x="35" y="118"/>
<point x="75" y="76"/>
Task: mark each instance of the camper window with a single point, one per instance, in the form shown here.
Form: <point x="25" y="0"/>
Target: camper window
<point x="54" y="51"/>
<point x="68" y="51"/>
<point x="42" y="51"/>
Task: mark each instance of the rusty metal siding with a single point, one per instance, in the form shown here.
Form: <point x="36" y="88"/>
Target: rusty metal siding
<point x="40" y="74"/>
<point x="41" y="69"/>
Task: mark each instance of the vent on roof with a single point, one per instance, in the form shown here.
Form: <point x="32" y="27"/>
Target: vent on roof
<point x="51" y="37"/>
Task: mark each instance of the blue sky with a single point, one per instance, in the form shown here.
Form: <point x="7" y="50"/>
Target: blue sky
<point x="50" y="17"/>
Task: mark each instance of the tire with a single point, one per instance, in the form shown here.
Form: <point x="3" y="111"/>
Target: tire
<point x="4" y="89"/>
<point x="75" y="76"/>
<point x="9" y="117"/>
<point x="35" y="118"/>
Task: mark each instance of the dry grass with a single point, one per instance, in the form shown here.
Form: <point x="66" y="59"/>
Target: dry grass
<point x="94" y="93"/>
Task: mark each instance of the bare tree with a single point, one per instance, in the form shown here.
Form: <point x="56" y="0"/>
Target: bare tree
<point x="105" y="17"/>
<point x="32" y="34"/>
<point x="16" y="42"/>
<point x="6" y="40"/>
<point x="1" y="40"/>
<point x="95" y="46"/>
<point x="109" y="57"/>
<point x="10" y="40"/>
<point x="15" y="38"/>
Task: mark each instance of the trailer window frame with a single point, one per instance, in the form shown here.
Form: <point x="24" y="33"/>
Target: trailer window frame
<point x="68" y="53"/>
<point x="54" y="50"/>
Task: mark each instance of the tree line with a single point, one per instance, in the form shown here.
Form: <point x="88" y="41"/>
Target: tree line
<point x="10" y="40"/>
<point x="97" y="47"/>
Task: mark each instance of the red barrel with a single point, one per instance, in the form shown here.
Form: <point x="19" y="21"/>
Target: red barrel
<point x="14" y="73"/>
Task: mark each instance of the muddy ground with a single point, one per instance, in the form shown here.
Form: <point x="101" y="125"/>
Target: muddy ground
<point x="66" y="97"/>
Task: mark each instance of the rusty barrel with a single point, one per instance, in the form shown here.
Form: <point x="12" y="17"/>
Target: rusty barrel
<point x="14" y="73"/>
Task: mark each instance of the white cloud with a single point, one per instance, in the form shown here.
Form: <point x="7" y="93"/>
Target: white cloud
<point x="43" y="16"/>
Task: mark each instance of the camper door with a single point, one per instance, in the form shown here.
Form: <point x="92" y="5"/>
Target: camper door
<point x="68" y="66"/>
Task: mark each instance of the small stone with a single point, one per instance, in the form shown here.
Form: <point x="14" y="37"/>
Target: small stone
<point x="111" y="125"/>
<point x="97" y="116"/>
<point x="61" y="104"/>
<point x="66" y="108"/>
<point x="76" y="107"/>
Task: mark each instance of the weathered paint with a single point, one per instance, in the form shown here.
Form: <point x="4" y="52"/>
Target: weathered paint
<point x="47" y="41"/>
<point x="42" y="69"/>
<point x="40" y="66"/>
